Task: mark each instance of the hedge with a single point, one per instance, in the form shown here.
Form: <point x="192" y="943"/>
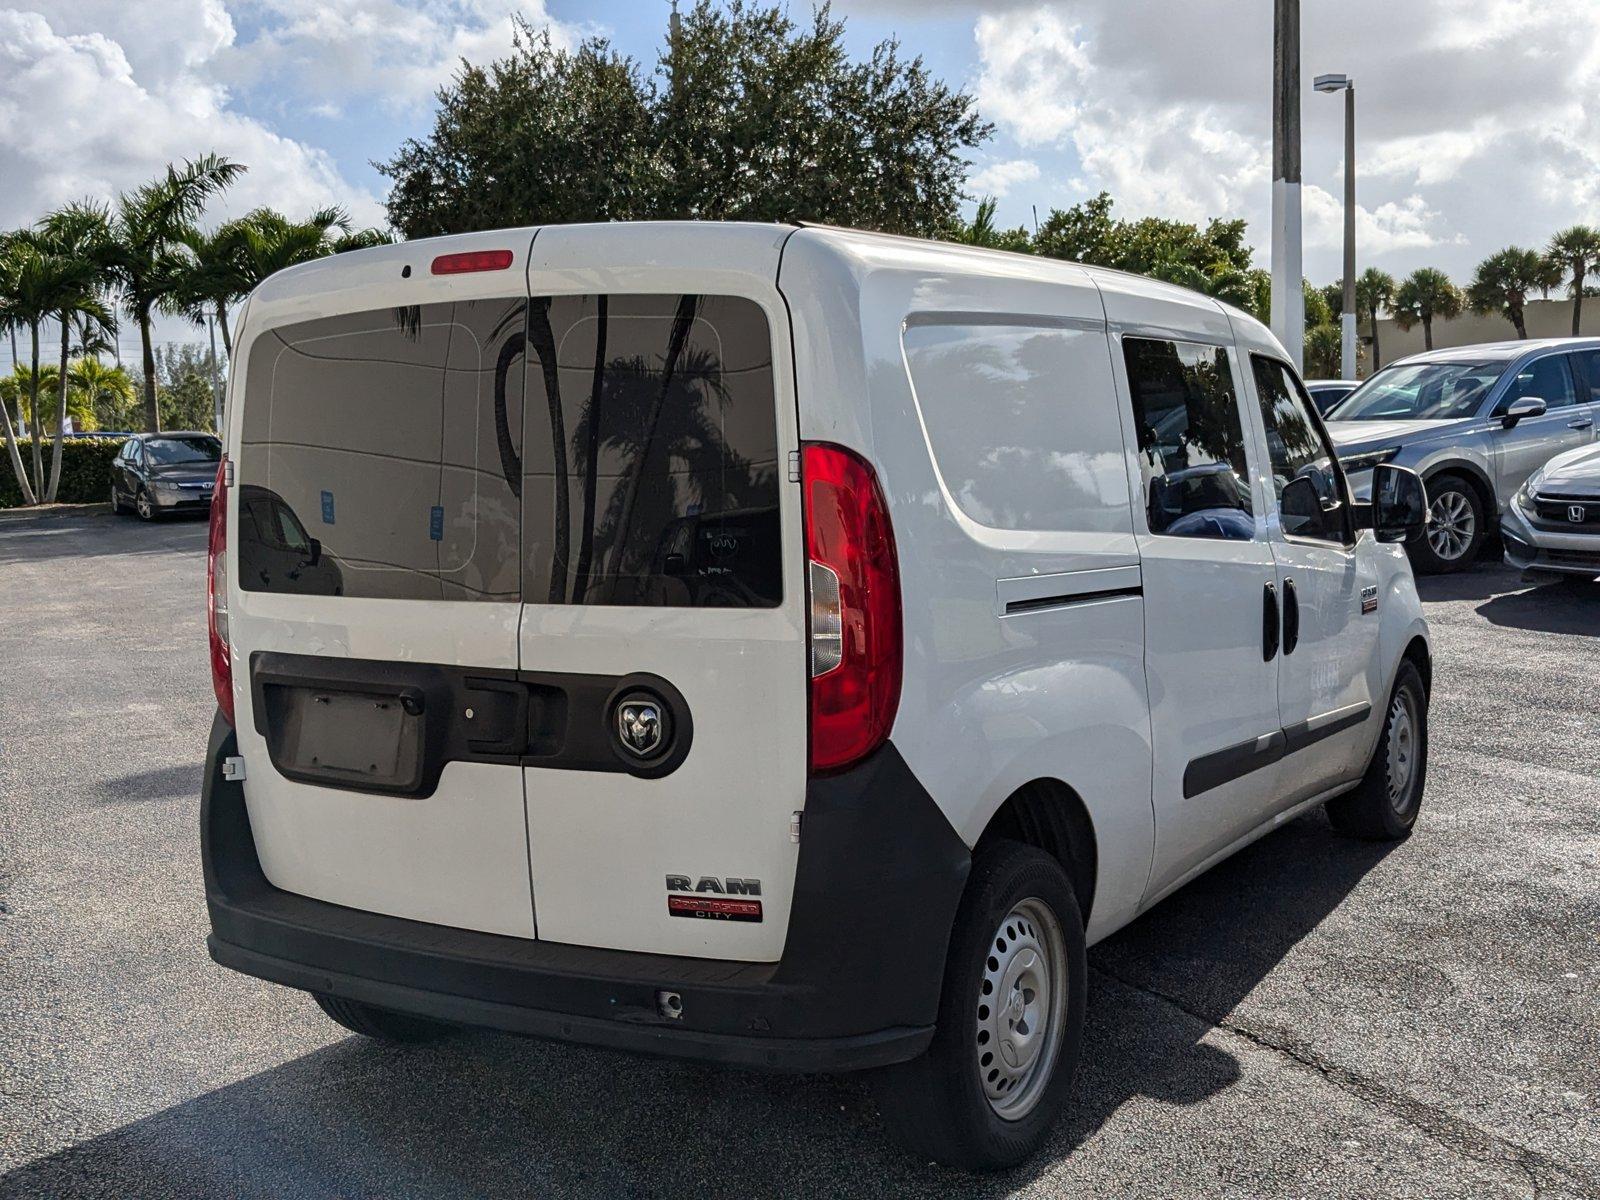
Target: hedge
<point x="85" y="470"/>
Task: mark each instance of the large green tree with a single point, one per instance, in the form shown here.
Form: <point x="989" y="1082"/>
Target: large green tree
<point x="1374" y="291"/>
<point x="148" y="259"/>
<point x="1425" y="294"/>
<point x="1502" y="282"/>
<point x="749" y="115"/>
<point x="1575" y="252"/>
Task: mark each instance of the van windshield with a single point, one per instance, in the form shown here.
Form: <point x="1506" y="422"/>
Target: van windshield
<point x="1441" y="391"/>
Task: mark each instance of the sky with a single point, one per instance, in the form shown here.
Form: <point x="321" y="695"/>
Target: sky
<point x="1474" y="126"/>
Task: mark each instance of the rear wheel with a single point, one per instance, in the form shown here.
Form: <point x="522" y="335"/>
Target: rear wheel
<point x="988" y="1090"/>
<point x="117" y="508"/>
<point x="1455" y="527"/>
<point x="379" y="1023"/>
<point x="1384" y="806"/>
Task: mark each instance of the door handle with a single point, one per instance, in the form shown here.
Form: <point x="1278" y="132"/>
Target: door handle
<point x="1291" y="617"/>
<point x="1269" y="623"/>
<point x="1581" y="423"/>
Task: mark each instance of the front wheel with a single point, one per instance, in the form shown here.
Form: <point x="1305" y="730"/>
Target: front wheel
<point x="1455" y="527"/>
<point x="990" y="1086"/>
<point x="144" y="504"/>
<point x="1384" y="805"/>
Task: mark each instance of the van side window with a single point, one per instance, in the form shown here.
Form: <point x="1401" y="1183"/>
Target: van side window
<point x="1191" y="439"/>
<point x="650" y="460"/>
<point x="1022" y="424"/>
<point x="1546" y="379"/>
<point x="1299" y="450"/>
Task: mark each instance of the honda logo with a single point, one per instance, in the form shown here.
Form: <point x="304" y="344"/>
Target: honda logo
<point x="1575" y="513"/>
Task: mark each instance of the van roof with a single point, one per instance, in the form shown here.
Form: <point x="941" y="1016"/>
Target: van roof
<point x="325" y="274"/>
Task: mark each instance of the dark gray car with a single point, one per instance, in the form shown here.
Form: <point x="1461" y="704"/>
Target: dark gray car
<point x="159" y="473"/>
<point x="1474" y="422"/>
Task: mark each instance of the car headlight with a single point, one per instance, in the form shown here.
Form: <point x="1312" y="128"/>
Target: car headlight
<point x="1526" y="491"/>
<point x="166" y="489"/>
<point x="1368" y="459"/>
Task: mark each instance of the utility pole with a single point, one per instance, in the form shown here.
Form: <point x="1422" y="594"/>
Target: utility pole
<point x="1288" y="301"/>
<point x="1347" y="319"/>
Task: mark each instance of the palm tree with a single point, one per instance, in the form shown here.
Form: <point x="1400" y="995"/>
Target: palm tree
<point x="103" y="391"/>
<point x="227" y="264"/>
<point x="1426" y="293"/>
<point x="1322" y="350"/>
<point x="36" y="285"/>
<point x="1503" y="281"/>
<point x="11" y="318"/>
<point x="1374" y="290"/>
<point x="1576" y="252"/>
<point x="147" y="261"/>
<point x="79" y="235"/>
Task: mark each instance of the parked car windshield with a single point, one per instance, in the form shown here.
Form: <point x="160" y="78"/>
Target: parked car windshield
<point x="1440" y="391"/>
<point x="174" y="451"/>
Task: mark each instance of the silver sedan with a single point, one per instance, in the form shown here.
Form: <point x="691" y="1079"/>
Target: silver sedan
<point x="1552" y="528"/>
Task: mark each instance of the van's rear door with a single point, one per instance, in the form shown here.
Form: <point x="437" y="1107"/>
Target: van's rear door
<point x="374" y="535"/>
<point x="664" y="615"/>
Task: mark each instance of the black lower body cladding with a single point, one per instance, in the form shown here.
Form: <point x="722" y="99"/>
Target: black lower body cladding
<point x="880" y="875"/>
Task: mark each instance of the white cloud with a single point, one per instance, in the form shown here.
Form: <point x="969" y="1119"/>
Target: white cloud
<point x="997" y="179"/>
<point x="1476" y="124"/>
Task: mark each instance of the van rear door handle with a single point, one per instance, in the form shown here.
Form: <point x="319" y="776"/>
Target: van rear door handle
<point x="1269" y="623"/>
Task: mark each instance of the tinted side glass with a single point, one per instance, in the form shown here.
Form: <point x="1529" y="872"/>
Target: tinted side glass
<point x="1586" y="364"/>
<point x="650" y="474"/>
<point x="1298" y="449"/>
<point x="1022" y="421"/>
<point x="1191" y="439"/>
<point x="1546" y="378"/>
<point x="378" y="454"/>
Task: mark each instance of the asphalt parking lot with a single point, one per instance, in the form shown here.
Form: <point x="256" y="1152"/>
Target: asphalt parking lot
<point x="1316" y="1017"/>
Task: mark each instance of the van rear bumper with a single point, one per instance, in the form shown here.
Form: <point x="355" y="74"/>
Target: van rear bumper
<point x="879" y="878"/>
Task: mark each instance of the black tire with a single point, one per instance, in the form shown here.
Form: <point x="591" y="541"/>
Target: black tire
<point x="1449" y="493"/>
<point x="379" y="1023"/>
<point x="1371" y="811"/>
<point x="935" y="1106"/>
<point x="144" y="506"/>
<point x="117" y="507"/>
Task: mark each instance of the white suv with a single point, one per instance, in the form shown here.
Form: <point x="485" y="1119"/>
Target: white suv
<point x="777" y="646"/>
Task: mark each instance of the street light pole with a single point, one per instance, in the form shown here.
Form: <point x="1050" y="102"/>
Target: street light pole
<point x="1288" y="300"/>
<point x="1347" y="319"/>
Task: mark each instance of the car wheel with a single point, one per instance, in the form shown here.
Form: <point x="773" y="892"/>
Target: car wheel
<point x="1455" y="527"/>
<point x="987" y="1091"/>
<point x="144" y="505"/>
<point x="1384" y="805"/>
<point x="117" y="508"/>
<point x="379" y="1023"/>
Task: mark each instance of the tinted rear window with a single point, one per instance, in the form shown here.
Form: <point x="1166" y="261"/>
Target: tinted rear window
<point x="651" y="469"/>
<point x="389" y="439"/>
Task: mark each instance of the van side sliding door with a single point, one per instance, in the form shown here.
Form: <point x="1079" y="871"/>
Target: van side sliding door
<point x="1209" y="580"/>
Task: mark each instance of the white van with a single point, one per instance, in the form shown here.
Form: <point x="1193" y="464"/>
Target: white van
<point x="781" y="646"/>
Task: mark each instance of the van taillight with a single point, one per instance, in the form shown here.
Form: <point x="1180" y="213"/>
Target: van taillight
<point x="853" y="588"/>
<point x="471" y="260"/>
<point x="217" y="594"/>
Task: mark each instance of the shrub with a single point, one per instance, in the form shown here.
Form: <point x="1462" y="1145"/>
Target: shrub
<point x="85" y="470"/>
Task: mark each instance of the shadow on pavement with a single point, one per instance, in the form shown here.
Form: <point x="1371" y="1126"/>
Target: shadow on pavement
<point x="163" y="783"/>
<point x="486" y="1115"/>
<point x="96" y="535"/>
<point x="1554" y="608"/>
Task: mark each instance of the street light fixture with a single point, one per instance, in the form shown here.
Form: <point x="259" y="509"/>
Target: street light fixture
<point x="1347" y="319"/>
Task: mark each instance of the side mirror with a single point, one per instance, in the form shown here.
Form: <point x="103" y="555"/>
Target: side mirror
<point x="1399" y="504"/>
<point x="1527" y="406"/>
<point x="1300" y="507"/>
<point x="314" y="552"/>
